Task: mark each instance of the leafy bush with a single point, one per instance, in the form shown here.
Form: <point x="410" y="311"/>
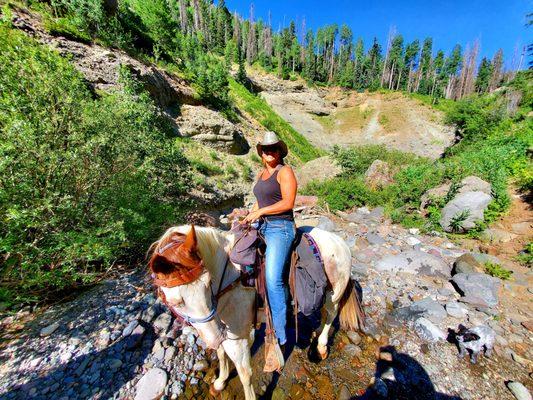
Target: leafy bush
<point x="83" y="182"/>
<point x="498" y="271"/>
<point x="526" y="256"/>
<point x="356" y="160"/>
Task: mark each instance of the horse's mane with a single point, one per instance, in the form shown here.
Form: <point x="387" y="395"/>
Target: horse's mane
<point x="212" y="244"/>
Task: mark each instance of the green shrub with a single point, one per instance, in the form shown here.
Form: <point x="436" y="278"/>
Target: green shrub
<point x="526" y="256"/>
<point x="205" y="168"/>
<point x="84" y="182"/>
<point x="498" y="271"/>
<point x="356" y="160"/>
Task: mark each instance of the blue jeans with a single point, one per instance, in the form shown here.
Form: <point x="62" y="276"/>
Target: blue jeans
<point x="279" y="235"/>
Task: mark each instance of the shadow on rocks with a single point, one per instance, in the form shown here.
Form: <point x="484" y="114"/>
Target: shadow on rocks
<point x="400" y="376"/>
<point x="99" y="374"/>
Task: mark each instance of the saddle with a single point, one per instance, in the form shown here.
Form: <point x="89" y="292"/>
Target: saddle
<point x="307" y="279"/>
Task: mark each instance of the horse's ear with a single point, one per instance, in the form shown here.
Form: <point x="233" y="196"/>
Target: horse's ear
<point x="190" y="240"/>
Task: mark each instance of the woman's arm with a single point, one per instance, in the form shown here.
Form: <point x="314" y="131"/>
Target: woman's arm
<point x="289" y="187"/>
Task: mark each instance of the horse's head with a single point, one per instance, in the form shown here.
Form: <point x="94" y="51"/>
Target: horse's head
<point x="179" y="271"/>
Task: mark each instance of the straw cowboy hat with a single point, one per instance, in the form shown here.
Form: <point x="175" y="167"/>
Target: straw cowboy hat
<point x="271" y="139"/>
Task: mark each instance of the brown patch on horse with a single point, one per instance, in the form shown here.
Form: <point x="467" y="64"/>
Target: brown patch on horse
<point x="175" y="261"/>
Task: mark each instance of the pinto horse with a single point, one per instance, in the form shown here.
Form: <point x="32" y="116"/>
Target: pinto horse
<point x="198" y="281"/>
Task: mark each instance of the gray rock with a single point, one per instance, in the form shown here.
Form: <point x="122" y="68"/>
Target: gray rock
<point x="496" y="235"/>
<point x="378" y="175"/>
<point x="436" y="192"/>
<point x="519" y="391"/>
<point x="376" y="215"/>
<point x="354" y="337"/>
<point x="212" y="129"/>
<point x="152" y="385"/>
<point x="149" y="314"/>
<point x="47" y="331"/>
<point x="374" y="239"/>
<point x="429" y="308"/>
<point x="169" y="354"/>
<point x="129" y="328"/>
<point x="415" y="262"/>
<point x="466" y="264"/>
<point x="428" y="331"/>
<point x="483" y="258"/>
<point x="478" y="288"/>
<point x="360" y="269"/>
<point x="353" y="350"/>
<point x="456" y="310"/>
<point x="326" y="224"/>
<point x="412" y="241"/>
<point x="471" y="203"/>
<point x="474" y="184"/>
<point x="200" y="365"/>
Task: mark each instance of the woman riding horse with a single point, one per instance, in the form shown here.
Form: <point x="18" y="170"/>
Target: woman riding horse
<point x="275" y="191"/>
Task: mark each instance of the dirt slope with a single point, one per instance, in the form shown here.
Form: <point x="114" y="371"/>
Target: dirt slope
<point x="332" y="116"/>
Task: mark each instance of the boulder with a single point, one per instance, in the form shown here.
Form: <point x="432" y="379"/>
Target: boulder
<point x="474" y="184"/>
<point x="468" y="184"/>
<point x="456" y="310"/>
<point x="483" y="258"/>
<point x="430" y="309"/>
<point x="48" y="330"/>
<point x="415" y="262"/>
<point x="378" y="175"/>
<point x="470" y="205"/>
<point x="519" y="390"/>
<point x="318" y="170"/>
<point x="478" y="289"/>
<point x="212" y="129"/>
<point x="495" y="235"/>
<point x="467" y="264"/>
<point x="152" y="385"/>
<point x="428" y="331"/>
<point x="436" y="192"/>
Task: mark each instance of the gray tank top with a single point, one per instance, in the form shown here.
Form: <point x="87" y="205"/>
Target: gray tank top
<point x="268" y="192"/>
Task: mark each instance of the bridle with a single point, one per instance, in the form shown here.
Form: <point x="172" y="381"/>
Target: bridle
<point x="173" y="282"/>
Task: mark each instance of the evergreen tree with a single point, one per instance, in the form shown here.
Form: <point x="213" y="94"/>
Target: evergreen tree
<point x="483" y="76"/>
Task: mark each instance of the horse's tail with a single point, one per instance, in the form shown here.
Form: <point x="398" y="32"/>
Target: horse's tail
<point x="351" y="315"/>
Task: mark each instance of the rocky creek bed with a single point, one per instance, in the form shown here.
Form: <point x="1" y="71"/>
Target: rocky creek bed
<point x="117" y="341"/>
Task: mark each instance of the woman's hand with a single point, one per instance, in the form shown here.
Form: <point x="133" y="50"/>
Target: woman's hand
<point x="252" y="216"/>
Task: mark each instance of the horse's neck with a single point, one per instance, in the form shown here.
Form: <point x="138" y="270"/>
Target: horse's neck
<point x="222" y="270"/>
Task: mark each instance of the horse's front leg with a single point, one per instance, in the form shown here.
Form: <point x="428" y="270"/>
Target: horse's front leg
<point x="239" y="352"/>
<point x="223" y="374"/>
<point x="331" y="313"/>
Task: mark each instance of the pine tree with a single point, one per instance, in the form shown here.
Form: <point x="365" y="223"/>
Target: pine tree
<point x="483" y="76"/>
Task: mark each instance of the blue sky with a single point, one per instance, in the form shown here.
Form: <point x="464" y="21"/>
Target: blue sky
<point x="496" y="23"/>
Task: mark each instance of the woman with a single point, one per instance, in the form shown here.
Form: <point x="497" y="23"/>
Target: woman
<point x="275" y="191"/>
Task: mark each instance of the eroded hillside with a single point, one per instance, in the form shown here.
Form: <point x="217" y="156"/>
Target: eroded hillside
<point x="334" y="116"/>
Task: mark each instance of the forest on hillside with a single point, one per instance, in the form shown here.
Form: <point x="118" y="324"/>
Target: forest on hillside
<point x="204" y="39"/>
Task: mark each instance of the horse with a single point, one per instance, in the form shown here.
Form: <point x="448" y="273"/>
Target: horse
<point x="199" y="283"/>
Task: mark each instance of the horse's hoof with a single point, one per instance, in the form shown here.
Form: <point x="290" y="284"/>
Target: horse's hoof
<point x="213" y="391"/>
<point x="323" y="353"/>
